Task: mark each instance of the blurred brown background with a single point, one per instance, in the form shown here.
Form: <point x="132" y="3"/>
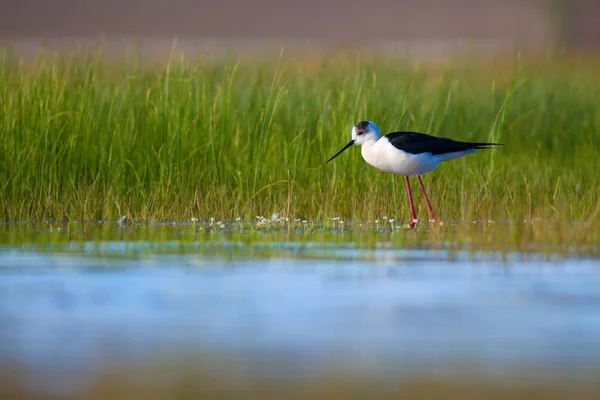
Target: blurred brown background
<point x="500" y="22"/>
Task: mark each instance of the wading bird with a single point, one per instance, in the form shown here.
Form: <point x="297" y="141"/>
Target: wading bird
<point x="408" y="154"/>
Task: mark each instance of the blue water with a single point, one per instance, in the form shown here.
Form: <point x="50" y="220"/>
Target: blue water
<point x="370" y="310"/>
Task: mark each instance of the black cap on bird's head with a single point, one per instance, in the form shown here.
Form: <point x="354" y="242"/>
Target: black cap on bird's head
<point x="362" y="125"/>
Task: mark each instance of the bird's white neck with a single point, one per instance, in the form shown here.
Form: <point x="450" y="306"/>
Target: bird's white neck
<point x="367" y="146"/>
<point x="370" y="140"/>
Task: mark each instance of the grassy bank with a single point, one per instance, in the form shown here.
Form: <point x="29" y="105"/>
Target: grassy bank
<point x="190" y="378"/>
<point x="88" y="138"/>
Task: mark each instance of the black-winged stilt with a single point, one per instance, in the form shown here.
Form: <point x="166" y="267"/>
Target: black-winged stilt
<point x="408" y="154"/>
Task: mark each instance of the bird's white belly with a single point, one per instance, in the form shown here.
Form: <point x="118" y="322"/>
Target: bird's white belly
<point x="382" y="155"/>
<point x="401" y="163"/>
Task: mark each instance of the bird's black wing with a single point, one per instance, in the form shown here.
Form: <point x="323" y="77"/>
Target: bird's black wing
<point x="417" y="143"/>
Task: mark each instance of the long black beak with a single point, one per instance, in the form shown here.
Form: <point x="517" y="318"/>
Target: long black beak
<point x="350" y="143"/>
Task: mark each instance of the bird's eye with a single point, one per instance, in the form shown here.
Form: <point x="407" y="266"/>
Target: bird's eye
<point x="360" y="133"/>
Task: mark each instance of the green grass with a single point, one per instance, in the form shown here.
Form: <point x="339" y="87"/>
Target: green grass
<point x="87" y="137"/>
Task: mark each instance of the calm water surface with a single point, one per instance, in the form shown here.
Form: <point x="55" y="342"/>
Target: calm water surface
<point x="74" y="299"/>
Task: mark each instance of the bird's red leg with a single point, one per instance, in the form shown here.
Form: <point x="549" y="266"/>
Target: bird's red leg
<point x="431" y="213"/>
<point x="412" y="205"/>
